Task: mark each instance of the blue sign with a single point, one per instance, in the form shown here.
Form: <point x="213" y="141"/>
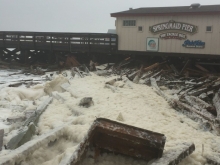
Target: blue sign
<point x="194" y="44"/>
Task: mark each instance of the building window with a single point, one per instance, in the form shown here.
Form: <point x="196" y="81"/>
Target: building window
<point x="129" y="22"/>
<point x="140" y="28"/>
<point x="208" y="28"/>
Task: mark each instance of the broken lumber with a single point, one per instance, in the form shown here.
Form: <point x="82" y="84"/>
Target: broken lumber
<point x="138" y="76"/>
<point x="199" y="104"/>
<point x="184" y="106"/>
<point x="174" y="156"/>
<point x="128" y="140"/>
<point x="1" y="138"/>
<point x="151" y="67"/>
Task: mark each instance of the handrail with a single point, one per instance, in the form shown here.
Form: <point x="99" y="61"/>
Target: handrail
<point x="53" y="39"/>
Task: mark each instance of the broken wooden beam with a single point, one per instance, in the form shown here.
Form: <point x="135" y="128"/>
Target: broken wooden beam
<point x="175" y="156"/>
<point x="119" y="138"/>
<point x="1" y="138"/>
<point x="151" y="67"/>
<point x="138" y="76"/>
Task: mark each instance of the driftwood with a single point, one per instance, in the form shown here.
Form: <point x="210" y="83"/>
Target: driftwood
<point x="1" y="138"/>
<point x="174" y="157"/>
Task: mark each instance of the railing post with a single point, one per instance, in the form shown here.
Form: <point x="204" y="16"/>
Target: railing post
<point x="110" y="42"/>
<point x="34" y="40"/>
<point x="3" y="39"/>
<point x="89" y="44"/>
<point x="69" y="44"/>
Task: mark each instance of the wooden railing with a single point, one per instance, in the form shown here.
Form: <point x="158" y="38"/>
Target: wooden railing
<point x="73" y="42"/>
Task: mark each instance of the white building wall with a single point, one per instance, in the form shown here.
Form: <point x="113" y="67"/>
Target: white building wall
<point x="131" y="39"/>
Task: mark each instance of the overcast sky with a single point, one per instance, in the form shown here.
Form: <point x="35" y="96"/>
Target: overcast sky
<point x="73" y="15"/>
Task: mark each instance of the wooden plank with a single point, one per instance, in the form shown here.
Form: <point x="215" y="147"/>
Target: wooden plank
<point x="174" y="156"/>
<point x="1" y="138"/>
<point x="151" y="67"/>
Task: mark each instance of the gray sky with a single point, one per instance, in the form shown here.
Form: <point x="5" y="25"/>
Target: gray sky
<point x="73" y="15"/>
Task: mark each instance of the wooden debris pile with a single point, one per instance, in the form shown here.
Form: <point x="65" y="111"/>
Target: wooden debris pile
<point x="188" y="86"/>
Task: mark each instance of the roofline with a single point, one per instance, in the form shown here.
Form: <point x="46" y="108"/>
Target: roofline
<point x="163" y="14"/>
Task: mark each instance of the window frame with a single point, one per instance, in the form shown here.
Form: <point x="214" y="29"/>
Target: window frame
<point x="209" y="31"/>
<point x="123" y="23"/>
<point x="142" y="29"/>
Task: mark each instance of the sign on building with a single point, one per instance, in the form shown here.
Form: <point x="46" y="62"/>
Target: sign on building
<point x="172" y="35"/>
<point x="194" y="44"/>
<point x="152" y="44"/>
<point x="172" y="25"/>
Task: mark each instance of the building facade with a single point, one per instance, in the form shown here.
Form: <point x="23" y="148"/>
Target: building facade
<point x="191" y="29"/>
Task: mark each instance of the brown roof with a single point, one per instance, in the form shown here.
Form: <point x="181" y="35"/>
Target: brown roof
<point x="178" y="10"/>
